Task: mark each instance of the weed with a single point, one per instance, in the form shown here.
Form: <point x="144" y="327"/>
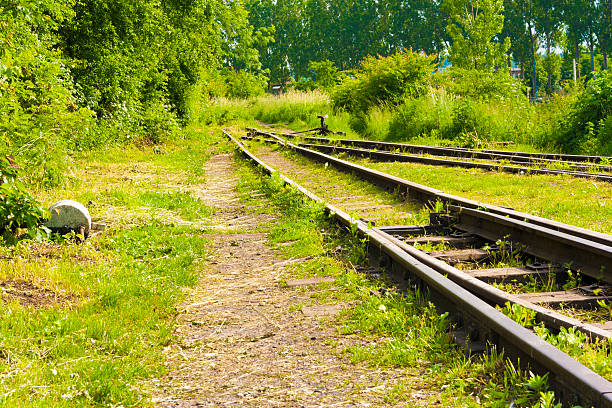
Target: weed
<point x="574" y="279"/>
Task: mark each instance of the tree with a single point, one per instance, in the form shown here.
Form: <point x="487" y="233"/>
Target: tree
<point x="547" y="16"/>
<point x="326" y="73"/>
<point x="603" y="29"/>
<point x="474" y="27"/>
<point x="525" y="39"/>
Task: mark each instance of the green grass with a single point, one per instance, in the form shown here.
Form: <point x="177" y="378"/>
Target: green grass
<point x="581" y="202"/>
<point x="188" y="207"/>
<point x="334" y="186"/>
<point x="118" y="292"/>
<point x="436" y="119"/>
<point x="593" y="354"/>
<point x="94" y="352"/>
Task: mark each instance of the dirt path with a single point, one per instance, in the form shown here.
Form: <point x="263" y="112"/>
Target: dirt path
<point x="241" y="342"/>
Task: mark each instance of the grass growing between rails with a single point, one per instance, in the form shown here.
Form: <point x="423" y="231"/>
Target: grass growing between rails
<point x="386" y="327"/>
<point x="581" y="202"/>
<point x="593" y="354"/>
<point x="358" y="198"/>
<point x="82" y="325"/>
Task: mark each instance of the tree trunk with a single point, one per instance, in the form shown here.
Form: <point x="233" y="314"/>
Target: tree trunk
<point x="577" y="54"/>
<point x="534" y="77"/>
<point x="548" y="65"/>
<point x="592" y="51"/>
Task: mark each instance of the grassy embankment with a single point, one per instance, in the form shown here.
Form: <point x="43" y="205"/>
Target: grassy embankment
<point x="435" y="119"/>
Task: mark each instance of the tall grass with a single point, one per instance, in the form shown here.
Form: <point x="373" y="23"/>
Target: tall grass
<point x="292" y="107"/>
<point x="437" y="117"/>
<point x="446" y="117"/>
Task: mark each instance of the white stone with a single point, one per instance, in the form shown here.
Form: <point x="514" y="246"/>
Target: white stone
<point x="69" y="214"/>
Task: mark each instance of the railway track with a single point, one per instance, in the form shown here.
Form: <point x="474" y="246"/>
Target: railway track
<point x="454" y="274"/>
<point x="495" y="160"/>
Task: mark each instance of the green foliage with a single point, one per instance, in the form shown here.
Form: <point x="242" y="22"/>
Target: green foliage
<point x="291" y="107"/>
<point x="245" y="85"/>
<point x="39" y="108"/>
<point x="20" y="214"/>
<point x="158" y="124"/>
<point x="325" y="72"/>
<point x="82" y="75"/>
<point x="482" y="86"/>
<point x="304" y="85"/>
<point x="465" y="121"/>
<point x="588" y="127"/>
<point x="343" y="32"/>
<point x="324" y="75"/>
<point x="384" y="80"/>
<point x="473" y="27"/>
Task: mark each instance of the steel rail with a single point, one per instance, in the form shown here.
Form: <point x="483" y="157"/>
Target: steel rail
<point x="523" y="157"/>
<point x="378" y="155"/>
<point x="427" y="194"/>
<point x="573" y="382"/>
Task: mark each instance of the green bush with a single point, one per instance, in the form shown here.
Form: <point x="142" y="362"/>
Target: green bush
<point x="158" y="124"/>
<point x="20" y="214"/>
<point x="587" y="127"/>
<point x="464" y="121"/>
<point x="325" y="72"/>
<point x="482" y="86"/>
<point x="384" y="80"/>
<point x="304" y="85"/>
<point x="245" y="85"/>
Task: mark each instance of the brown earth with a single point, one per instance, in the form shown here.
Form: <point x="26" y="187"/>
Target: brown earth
<point x="242" y="338"/>
<point x="28" y="294"/>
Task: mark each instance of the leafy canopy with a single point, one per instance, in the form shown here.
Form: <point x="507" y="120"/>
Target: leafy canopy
<point x="474" y="26"/>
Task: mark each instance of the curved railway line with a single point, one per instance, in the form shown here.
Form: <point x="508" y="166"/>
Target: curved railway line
<point x="466" y="236"/>
<point x="496" y="160"/>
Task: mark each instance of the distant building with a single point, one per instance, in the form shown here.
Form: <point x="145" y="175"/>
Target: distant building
<point x="278" y="88"/>
<point x="516" y="71"/>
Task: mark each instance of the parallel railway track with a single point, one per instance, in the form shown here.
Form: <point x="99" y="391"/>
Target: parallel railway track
<point x="510" y="162"/>
<point x="466" y="294"/>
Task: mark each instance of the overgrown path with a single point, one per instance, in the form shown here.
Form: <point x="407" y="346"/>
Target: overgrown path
<point x="243" y="340"/>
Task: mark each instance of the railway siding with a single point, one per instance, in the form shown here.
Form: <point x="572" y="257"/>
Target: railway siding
<point x="467" y="317"/>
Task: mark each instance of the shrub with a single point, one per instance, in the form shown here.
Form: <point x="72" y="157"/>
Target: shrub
<point x="466" y="122"/>
<point x="304" y="85"/>
<point x="325" y="73"/>
<point x="384" y="80"/>
<point x="244" y="85"/>
<point x="20" y="213"/>
<point x="482" y="86"/>
<point x="158" y="124"/>
<point x="587" y="127"/>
